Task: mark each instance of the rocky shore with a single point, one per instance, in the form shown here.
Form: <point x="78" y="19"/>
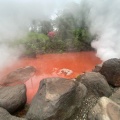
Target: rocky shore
<point x="93" y="95"/>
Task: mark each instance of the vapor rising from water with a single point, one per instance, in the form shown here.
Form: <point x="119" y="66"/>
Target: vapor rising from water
<point x="15" y="19"/>
<point x="8" y="56"/>
<point x="104" y="20"/>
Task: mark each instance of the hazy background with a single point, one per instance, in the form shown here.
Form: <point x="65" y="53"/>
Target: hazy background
<point x="15" y="19"/>
<point x="105" y="22"/>
<point x="102" y="18"/>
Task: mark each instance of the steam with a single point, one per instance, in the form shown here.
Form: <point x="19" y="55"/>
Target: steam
<point x="104" y="19"/>
<point x="15" y="19"/>
<point x="8" y="56"/>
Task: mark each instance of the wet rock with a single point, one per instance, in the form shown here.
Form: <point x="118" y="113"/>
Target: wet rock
<point x="111" y="70"/>
<point x="5" y="115"/>
<point x="95" y="84"/>
<point x="56" y="99"/>
<point x="116" y="96"/>
<point x="18" y="76"/>
<point x="105" y="109"/>
<point x="13" y="98"/>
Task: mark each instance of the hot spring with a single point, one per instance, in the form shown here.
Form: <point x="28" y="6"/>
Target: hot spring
<point x="66" y="65"/>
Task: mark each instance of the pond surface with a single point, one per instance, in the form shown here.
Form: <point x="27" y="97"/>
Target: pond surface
<point x="66" y="65"/>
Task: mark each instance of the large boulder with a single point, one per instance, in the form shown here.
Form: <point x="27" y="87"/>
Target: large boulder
<point x="105" y="109"/>
<point x="18" y="76"/>
<point x="56" y="99"/>
<point x="5" y="115"/>
<point x="95" y="83"/>
<point x="111" y="70"/>
<point x="13" y="98"/>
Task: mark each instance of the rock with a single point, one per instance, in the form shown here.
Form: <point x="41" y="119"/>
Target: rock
<point x="13" y="98"/>
<point x="65" y="71"/>
<point x="22" y="112"/>
<point x="18" y="76"/>
<point x="56" y="99"/>
<point x="116" y="96"/>
<point x="105" y="109"/>
<point x="97" y="68"/>
<point x="111" y="70"/>
<point x="82" y="112"/>
<point x="96" y="87"/>
<point x="95" y="84"/>
<point x="5" y="115"/>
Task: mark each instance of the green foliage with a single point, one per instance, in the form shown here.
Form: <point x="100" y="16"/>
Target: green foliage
<point x="72" y="33"/>
<point x="83" y="35"/>
<point x="65" y="24"/>
<point x="55" y="46"/>
<point x="33" y="43"/>
<point x="72" y="28"/>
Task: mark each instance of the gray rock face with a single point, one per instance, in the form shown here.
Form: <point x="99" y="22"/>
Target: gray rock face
<point x="96" y="84"/>
<point x="82" y="112"/>
<point x="18" y="76"/>
<point x="56" y="99"/>
<point x="4" y="115"/>
<point x="105" y="109"/>
<point x="111" y="70"/>
<point x="96" y="87"/>
<point x="116" y="96"/>
<point x="13" y="98"/>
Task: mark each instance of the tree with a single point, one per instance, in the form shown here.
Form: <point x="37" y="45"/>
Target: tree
<point x="44" y="26"/>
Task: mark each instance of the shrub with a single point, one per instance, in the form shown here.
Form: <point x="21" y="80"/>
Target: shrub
<point x="55" y="46"/>
<point x="33" y="43"/>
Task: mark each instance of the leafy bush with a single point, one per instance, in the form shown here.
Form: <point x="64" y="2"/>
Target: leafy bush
<point x="55" y="46"/>
<point x="34" y="43"/>
<point x="84" y="37"/>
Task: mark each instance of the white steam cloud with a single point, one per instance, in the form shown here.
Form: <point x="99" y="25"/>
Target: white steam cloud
<point x="15" y="18"/>
<point x="8" y="56"/>
<point x="104" y="19"/>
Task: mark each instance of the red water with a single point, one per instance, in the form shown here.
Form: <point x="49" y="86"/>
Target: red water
<point x="50" y="65"/>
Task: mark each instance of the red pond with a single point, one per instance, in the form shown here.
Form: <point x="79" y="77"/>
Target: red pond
<point x="67" y="65"/>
